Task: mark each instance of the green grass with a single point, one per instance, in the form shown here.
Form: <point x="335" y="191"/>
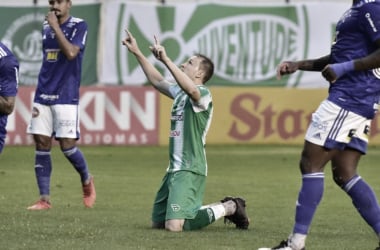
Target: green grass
<point x="126" y="180"/>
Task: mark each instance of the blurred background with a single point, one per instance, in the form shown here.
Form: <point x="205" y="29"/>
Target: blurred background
<point x="245" y="39"/>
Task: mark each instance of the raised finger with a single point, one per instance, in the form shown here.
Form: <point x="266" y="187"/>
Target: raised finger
<point x="128" y="33"/>
<point x="156" y="40"/>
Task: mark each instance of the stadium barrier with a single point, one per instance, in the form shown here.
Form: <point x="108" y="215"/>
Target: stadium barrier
<point x="138" y="115"/>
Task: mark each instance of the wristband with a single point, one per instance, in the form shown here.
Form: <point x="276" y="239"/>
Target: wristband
<point x="342" y="68"/>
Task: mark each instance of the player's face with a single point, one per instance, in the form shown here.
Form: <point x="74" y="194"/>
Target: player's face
<point x="192" y="67"/>
<point x="60" y="7"/>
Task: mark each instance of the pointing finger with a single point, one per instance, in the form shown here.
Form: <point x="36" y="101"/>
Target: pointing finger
<point x="156" y="40"/>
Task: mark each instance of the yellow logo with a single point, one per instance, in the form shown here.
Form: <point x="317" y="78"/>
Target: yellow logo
<point x="52" y="55"/>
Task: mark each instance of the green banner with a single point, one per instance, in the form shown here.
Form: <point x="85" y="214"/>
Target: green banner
<point x="21" y="30"/>
<point x="246" y="41"/>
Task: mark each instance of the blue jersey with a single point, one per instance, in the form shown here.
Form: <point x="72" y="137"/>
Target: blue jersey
<point x="59" y="78"/>
<point x="8" y="84"/>
<point x="356" y="33"/>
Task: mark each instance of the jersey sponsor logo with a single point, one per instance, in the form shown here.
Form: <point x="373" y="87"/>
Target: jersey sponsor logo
<point x="49" y="97"/>
<point x="319" y="125"/>
<point x="177" y="117"/>
<point x="52" y="55"/>
<point x="67" y="123"/>
<point x="175" y="133"/>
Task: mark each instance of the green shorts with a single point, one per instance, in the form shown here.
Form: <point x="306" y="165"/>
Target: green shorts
<point x="179" y="197"/>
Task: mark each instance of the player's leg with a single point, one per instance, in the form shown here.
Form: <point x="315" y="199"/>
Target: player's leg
<point x="160" y="204"/>
<point x="230" y="208"/>
<point x="314" y="157"/>
<point x="186" y="191"/>
<point x="67" y="132"/>
<point x="344" y="169"/>
<point x="204" y="217"/>
<point x="41" y="128"/>
<point x="184" y="210"/>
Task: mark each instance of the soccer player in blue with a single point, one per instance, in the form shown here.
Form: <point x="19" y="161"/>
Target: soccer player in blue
<point x="56" y="102"/>
<point x="340" y="127"/>
<point x="9" y="66"/>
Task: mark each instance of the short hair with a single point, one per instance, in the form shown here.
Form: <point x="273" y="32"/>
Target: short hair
<point x="207" y="66"/>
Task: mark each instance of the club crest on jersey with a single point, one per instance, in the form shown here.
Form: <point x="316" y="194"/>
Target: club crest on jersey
<point x="35" y="112"/>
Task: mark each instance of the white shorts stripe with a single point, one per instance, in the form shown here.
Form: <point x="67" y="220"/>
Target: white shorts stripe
<point x="338" y="123"/>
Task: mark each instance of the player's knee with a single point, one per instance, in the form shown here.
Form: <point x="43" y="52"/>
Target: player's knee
<point x="339" y="180"/>
<point x="174" y="225"/>
<point x="42" y="142"/>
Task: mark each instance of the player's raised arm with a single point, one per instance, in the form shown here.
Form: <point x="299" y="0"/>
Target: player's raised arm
<point x="153" y="75"/>
<point x="184" y="81"/>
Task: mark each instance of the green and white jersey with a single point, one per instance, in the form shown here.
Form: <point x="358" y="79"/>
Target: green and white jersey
<point x="189" y="125"/>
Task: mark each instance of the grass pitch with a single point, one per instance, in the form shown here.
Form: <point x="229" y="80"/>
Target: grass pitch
<point x="126" y="180"/>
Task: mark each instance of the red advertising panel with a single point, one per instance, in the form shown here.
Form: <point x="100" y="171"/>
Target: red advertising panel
<point x="108" y="116"/>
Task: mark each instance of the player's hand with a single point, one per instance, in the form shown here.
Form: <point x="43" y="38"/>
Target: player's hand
<point x="52" y="19"/>
<point x="286" y="68"/>
<point x="130" y="42"/>
<point x="158" y="50"/>
<point x="329" y="74"/>
<point x="336" y="70"/>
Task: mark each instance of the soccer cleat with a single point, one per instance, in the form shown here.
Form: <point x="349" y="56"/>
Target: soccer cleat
<point x="239" y="218"/>
<point x="284" y="245"/>
<point x="89" y="193"/>
<point x="40" y="205"/>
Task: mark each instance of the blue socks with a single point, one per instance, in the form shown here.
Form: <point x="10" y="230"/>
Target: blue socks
<point x="365" y="201"/>
<point x="309" y="197"/>
<point x="76" y="158"/>
<point x="42" y="169"/>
